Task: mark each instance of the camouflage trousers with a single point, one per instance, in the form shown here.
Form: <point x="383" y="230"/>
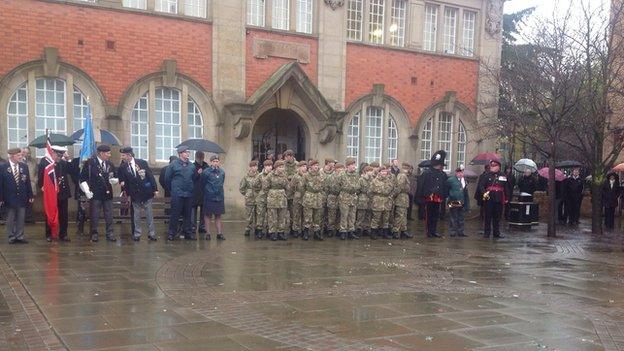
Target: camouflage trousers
<point x="399" y="223"/>
<point x="250" y="216"/>
<point x="313" y="218"/>
<point x="380" y="220"/>
<point x="363" y="218"/>
<point x="296" y="216"/>
<point x="288" y="215"/>
<point x="331" y="218"/>
<point x="261" y="217"/>
<point x="347" y="218"/>
<point x="276" y="218"/>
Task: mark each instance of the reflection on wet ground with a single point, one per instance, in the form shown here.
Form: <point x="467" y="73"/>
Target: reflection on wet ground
<point x="525" y="292"/>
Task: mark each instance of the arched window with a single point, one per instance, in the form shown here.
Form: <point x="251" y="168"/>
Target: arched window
<point x="167" y="120"/>
<point x="371" y="134"/>
<point x="195" y="123"/>
<point x="17" y="114"/>
<point x="449" y="135"/>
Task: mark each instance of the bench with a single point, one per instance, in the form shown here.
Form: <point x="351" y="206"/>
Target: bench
<point x="121" y="208"/>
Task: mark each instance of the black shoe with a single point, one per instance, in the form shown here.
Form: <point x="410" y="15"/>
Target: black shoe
<point x="220" y="237"/>
<point x="281" y="236"/>
<point x="487" y="236"/>
<point x="207" y="237"/>
<point x="112" y="239"/>
<point x="136" y="238"/>
<point x="21" y="241"/>
<point x="259" y="234"/>
<point x="435" y="235"/>
<point x="499" y="236"/>
<point x="406" y="235"/>
<point x="190" y="237"/>
<point x="462" y="235"/>
<point x="373" y="234"/>
<point x="273" y="236"/>
<point x="65" y="239"/>
<point x="48" y="239"/>
<point x="364" y="233"/>
<point x="387" y="234"/>
<point x="343" y="236"/>
<point x="153" y="238"/>
<point x="12" y="241"/>
<point x="306" y="234"/>
<point x="247" y="232"/>
<point x="318" y="236"/>
<point x="202" y="231"/>
<point x="170" y="238"/>
<point x="94" y="238"/>
<point x="354" y="236"/>
<point x="452" y="235"/>
<point x="295" y="234"/>
<point x="330" y="233"/>
<point x="396" y="236"/>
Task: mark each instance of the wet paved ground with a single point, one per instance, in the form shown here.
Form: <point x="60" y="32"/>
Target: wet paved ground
<point x="521" y="293"/>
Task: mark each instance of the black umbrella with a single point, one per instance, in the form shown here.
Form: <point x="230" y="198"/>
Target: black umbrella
<point x="425" y="164"/>
<point x="106" y="137"/>
<point x="202" y="145"/>
<point x="568" y="164"/>
<point x="55" y="139"/>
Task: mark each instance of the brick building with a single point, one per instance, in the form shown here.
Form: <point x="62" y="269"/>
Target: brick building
<point x="373" y="79"/>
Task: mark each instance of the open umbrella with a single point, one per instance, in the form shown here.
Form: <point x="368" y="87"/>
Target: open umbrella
<point x="568" y="164"/>
<point x="618" y="168"/>
<point x="524" y="164"/>
<point x="485" y="158"/>
<point x="559" y="176"/>
<point x="470" y="174"/>
<point x="202" y="145"/>
<point x="106" y="137"/>
<point x="55" y="139"/>
<point x="425" y="164"/>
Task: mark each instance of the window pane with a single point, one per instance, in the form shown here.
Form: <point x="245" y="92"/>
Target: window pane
<point x="169" y="6"/>
<point x="50" y="107"/>
<point x="80" y="113"/>
<point x="353" y="137"/>
<point x="17" y="118"/>
<point x="461" y="145"/>
<point x="139" y="128"/>
<point x="468" y="33"/>
<point x="195" y="8"/>
<point x="255" y="13"/>
<point x="445" y="136"/>
<point x="281" y="14"/>
<point x="354" y="19"/>
<point x="304" y="16"/>
<point x="397" y="26"/>
<point x="374" y="118"/>
<point x="430" y="28"/>
<point x="425" y="140"/>
<point x="376" y="21"/>
<point x="450" y="26"/>
<point x="135" y="4"/>
<point x="393" y="139"/>
<point x="169" y="119"/>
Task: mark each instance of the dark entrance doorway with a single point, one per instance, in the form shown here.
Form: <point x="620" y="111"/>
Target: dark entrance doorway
<point x="279" y="130"/>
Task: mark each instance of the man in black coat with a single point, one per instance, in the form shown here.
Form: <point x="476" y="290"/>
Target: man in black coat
<point x="137" y="180"/>
<point x="15" y="194"/>
<point x="81" y="213"/>
<point x="573" y="196"/>
<point x="96" y="180"/>
<point x="432" y="191"/>
<point x="478" y="196"/>
<point x="496" y="192"/>
<point x="62" y="173"/>
<point x="198" y="195"/>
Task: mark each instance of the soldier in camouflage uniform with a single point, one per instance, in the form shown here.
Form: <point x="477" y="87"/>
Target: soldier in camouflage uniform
<point x="246" y="189"/>
<point x="313" y="184"/>
<point x="276" y="185"/>
<point x="349" y="185"/>
<point x="379" y="193"/>
<point x="297" y="189"/>
<point x="391" y="179"/>
<point x="375" y="166"/>
<point x="331" y="198"/>
<point x="401" y="203"/>
<point x="261" y="223"/>
<point x="363" y="214"/>
<point x="290" y="169"/>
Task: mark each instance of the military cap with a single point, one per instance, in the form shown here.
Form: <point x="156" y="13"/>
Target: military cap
<point x="374" y="164"/>
<point x="270" y="153"/>
<point x="13" y="151"/>
<point x="267" y="163"/>
<point x="253" y="163"/>
<point x="349" y="161"/>
<point x="182" y="148"/>
<point x="406" y="165"/>
<point x="339" y="166"/>
<point x="388" y="165"/>
<point x="278" y="163"/>
<point x="103" y="148"/>
<point x="59" y="149"/>
<point x="329" y="160"/>
<point x="495" y="161"/>
<point x="214" y="157"/>
<point x="368" y="169"/>
<point x="459" y="169"/>
<point x="289" y="153"/>
<point x="437" y="159"/>
<point x="126" y="150"/>
<point x="312" y="163"/>
<point x="302" y="163"/>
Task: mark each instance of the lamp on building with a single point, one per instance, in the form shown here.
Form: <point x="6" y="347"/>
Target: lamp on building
<point x="393" y="27"/>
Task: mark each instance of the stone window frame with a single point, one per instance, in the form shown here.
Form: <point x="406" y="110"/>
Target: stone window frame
<point x="147" y="7"/>
<point x="387" y="21"/>
<point x="430" y="126"/>
<point x="439" y="43"/>
<point x="292" y="17"/>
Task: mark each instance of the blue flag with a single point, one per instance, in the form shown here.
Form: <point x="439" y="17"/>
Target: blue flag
<point x="88" y="140"/>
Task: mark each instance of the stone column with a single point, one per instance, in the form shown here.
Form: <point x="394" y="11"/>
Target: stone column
<point x="332" y="52"/>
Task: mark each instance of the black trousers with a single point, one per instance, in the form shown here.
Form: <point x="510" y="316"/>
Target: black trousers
<point x="609" y="217"/>
<point x="63" y="215"/>
<point x="562" y="211"/>
<point x="492" y="215"/>
<point x="573" y="208"/>
<point x="432" y="214"/>
<point x="409" y="208"/>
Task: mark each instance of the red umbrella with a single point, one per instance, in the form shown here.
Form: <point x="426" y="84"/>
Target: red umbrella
<point x="470" y="174"/>
<point x="559" y="176"/>
<point x="485" y="158"/>
<point x="619" y="168"/>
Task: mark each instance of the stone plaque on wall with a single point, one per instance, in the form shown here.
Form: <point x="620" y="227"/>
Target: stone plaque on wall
<point x="263" y="48"/>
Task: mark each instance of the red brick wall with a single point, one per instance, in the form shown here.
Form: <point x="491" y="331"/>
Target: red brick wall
<point x="258" y="70"/>
<point x="368" y="65"/>
<point x="142" y="42"/>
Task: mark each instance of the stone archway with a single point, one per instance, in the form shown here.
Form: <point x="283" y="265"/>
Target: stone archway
<point x="279" y="130"/>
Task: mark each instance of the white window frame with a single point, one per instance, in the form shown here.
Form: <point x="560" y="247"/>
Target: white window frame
<point x="167" y="121"/>
<point x="461" y="144"/>
<point x="373" y="127"/>
<point x="139" y="127"/>
<point x="445" y="137"/>
<point x="255" y="12"/>
<point x="305" y="15"/>
<point x="135" y="4"/>
<point x="280" y="14"/>
<point x="355" y="19"/>
<point x="17" y="110"/>
<point x="81" y="105"/>
<point x="450" y="29"/>
<point x="50" y="106"/>
<point x="376" y="21"/>
<point x="397" y="22"/>
<point x="469" y="23"/>
<point x="430" y="28"/>
<point x="195" y="8"/>
<point x="447" y="131"/>
<point x="393" y="138"/>
<point x="353" y="137"/>
<point x="372" y="134"/>
<point x="426" y="140"/>
<point x="167" y="6"/>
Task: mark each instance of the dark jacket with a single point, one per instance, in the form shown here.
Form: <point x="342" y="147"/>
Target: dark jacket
<point x="573" y="189"/>
<point x="73" y="168"/>
<point x="432" y="182"/>
<point x="198" y="186"/>
<point x="62" y="172"/>
<point x="526" y="184"/>
<point x="179" y="177"/>
<point x="15" y="195"/>
<point x="139" y="190"/>
<point x="213" y="179"/>
<point x="495" y="180"/>
<point x="457" y="193"/>
<point x="611" y="194"/>
<point x="478" y="195"/>
<point x="98" y="178"/>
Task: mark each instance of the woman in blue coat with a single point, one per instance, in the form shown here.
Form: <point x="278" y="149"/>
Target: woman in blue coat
<point x="213" y="178"/>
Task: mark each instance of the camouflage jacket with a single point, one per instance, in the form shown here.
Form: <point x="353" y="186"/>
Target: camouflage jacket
<point x="331" y="189"/>
<point x="349" y="185"/>
<point x="313" y="183"/>
<point x="246" y="188"/>
<point x="392" y="183"/>
<point x="290" y="170"/>
<point x="402" y="189"/>
<point x="297" y="187"/>
<point x="380" y="191"/>
<point x="363" y="198"/>
<point x="258" y="188"/>
<point x="276" y="185"/>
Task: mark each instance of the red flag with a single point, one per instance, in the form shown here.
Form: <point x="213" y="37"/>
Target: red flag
<point x="50" y="191"/>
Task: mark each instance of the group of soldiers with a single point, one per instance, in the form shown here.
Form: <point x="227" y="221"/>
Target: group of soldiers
<point x="300" y="199"/>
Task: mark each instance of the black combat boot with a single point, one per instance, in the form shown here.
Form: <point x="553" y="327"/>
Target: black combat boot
<point x="396" y="235"/>
<point x="306" y="234"/>
<point x="374" y="233"/>
<point x="247" y="232"/>
<point x="366" y="232"/>
<point x="353" y="235"/>
<point x="281" y="236"/>
<point x="318" y="235"/>
<point x="387" y="234"/>
<point x="359" y="232"/>
<point x="273" y="236"/>
<point x="330" y="233"/>
<point x="343" y="236"/>
<point x="295" y="234"/>
<point x="406" y="235"/>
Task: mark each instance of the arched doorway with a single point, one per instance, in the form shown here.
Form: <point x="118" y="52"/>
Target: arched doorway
<point x="279" y="130"/>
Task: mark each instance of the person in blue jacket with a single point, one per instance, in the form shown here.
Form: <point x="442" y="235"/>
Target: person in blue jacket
<point x="179" y="177"/>
<point x="213" y="178"/>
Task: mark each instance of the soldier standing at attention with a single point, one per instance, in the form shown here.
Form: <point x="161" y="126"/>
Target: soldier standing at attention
<point x="277" y="185"/>
<point x="290" y="169"/>
<point x="432" y="191"/>
<point x="495" y="189"/>
<point x="363" y="214"/>
<point x="379" y="193"/>
<point x="258" y="187"/>
<point x="297" y="189"/>
<point x="391" y="179"/>
<point x="401" y="204"/>
<point x="349" y="185"/>
<point x="375" y="166"/>
<point x="331" y="198"/>
<point x="15" y="193"/>
<point x="313" y="184"/>
<point x="246" y="189"/>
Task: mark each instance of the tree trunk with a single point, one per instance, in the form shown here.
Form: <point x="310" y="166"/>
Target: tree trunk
<point x="596" y="197"/>
<point x="552" y="212"/>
